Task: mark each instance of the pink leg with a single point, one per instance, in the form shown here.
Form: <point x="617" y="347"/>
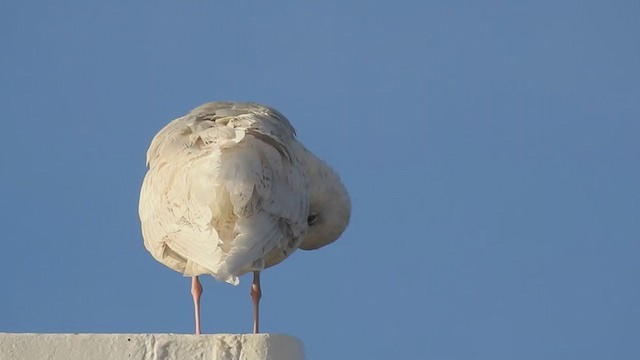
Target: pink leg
<point x="196" y="292"/>
<point x="256" y="294"/>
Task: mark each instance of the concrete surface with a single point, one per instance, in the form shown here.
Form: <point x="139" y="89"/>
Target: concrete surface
<point x="149" y="347"/>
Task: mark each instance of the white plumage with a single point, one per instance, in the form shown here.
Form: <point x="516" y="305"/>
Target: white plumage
<point x="230" y="190"/>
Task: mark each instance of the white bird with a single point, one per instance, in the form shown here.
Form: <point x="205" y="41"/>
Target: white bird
<point x="230" y="190"/>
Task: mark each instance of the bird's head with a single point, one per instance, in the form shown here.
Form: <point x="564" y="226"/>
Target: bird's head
<point x="329" y="205"/>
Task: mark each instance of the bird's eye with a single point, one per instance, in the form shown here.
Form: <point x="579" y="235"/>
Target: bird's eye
<point x="312" y="219"/>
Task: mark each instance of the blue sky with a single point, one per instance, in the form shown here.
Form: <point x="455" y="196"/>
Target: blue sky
<point x="491" y="152"/>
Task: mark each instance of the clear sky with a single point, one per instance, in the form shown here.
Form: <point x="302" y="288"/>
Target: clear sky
<point x="491" y="151"/>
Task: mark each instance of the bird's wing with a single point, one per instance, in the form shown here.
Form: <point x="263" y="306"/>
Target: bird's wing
<point x="225" y="187"/>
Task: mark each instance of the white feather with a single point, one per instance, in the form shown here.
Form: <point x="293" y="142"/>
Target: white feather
<point x="226" y="191"/>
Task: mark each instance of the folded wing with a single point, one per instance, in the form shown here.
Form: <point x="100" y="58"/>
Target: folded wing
<point x="226" y="192"/>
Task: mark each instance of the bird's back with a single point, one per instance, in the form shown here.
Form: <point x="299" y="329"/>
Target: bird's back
<point x="225" y="193"/>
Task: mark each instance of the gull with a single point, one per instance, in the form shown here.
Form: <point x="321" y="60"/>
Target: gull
<point x="230" y="190"/>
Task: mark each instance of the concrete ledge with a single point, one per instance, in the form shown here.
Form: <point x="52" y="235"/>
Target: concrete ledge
<point x="149" y="347"/>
